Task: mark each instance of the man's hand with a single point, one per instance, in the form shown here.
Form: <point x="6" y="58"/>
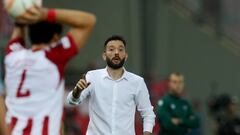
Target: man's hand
<point x="32" y="15"/>
<point x="80" y="86"/>
<point x="176" y="121"/>
<point x="147" y="133"/>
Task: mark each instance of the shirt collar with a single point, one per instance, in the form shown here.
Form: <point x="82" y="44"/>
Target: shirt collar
<point x="106" y="75"/>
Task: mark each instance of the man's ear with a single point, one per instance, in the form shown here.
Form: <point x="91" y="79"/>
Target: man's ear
<point x="56" y="37"/>
<point x="104" y="56"/>
<point x="126" y="57"/>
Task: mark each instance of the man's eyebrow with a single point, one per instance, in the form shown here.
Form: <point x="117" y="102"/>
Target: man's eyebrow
<point x="110" y="45"/>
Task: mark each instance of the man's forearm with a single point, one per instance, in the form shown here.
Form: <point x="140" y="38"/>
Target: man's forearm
<point x="18" y="31"/>
<point x="3" y="127"/>
<point x="148" y="120"/>
<point x="192" y="122"/>
<point x="76" y="93"/>
<point x="81" y="24"/>
<point x="148" y="127"/>
<point x="69" y="17"/>
<point x="72" y="100"/>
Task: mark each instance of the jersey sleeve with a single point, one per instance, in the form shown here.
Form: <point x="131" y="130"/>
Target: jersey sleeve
<point x="15" y="44"/>
<point x="63" y="51"/>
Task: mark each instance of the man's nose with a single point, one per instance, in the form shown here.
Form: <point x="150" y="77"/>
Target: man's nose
<point x="116" y="51"/>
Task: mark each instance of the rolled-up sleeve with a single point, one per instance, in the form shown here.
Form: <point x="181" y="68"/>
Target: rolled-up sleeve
<point x="84" y="94"/>
<point x="144" y="107"/>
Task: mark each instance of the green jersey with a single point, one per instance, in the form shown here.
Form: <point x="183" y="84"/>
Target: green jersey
<point x="171" y="106"/>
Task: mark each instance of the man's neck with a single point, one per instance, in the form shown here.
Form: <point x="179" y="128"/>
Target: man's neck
<point x="175" y="94"/>
<point x="38" y="47"/>
<point x="115" y="74"/>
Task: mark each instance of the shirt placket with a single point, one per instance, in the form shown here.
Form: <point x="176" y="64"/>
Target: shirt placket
<point x="114" y="107"/>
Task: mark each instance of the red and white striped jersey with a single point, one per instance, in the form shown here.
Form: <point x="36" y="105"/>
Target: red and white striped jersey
<point x="35" y="85"/>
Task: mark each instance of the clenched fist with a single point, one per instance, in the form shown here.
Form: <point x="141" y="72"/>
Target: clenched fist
<point x="80" y="86"/>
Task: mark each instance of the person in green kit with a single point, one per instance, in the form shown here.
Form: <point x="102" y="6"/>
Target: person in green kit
<point x="174" y="113"/>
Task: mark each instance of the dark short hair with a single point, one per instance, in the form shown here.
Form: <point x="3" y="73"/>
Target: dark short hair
<point x="115" y="37"/>
<point x="43" y="32"/>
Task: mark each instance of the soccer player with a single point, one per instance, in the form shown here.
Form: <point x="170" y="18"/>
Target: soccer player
<point x="114" y="93"/>
<point x="174" y="113"/>
<point x="34" y="77"/>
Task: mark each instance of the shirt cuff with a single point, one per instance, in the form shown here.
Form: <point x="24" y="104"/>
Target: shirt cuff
<point x="71" y="100"/>
<point x="148" y="127"/>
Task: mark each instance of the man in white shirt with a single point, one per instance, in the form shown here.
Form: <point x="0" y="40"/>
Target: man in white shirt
<point x="114" y="94"/>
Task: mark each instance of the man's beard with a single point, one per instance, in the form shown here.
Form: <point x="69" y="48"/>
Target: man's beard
<point x="115" y="66"/>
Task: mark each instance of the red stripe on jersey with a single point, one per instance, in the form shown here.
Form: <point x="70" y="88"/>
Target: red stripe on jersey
<point x="28" y="128"/>
<point x="13" y="123"/>
<point x="45" y="126"/>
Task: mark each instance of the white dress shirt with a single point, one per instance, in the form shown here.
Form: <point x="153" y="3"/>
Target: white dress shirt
<point x="112" y="103"/>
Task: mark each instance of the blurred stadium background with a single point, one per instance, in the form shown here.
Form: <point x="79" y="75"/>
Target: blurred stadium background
<point x="199" y="38"/>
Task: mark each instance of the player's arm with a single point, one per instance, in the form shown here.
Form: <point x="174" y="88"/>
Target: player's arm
<point x="192" y="120"/>
<point x="3" y="127"/>
<point x="18" y="31"/>
<point x="17" y="39"/>
<point x="80" y="91"/>
<point x="165" y="118"/>
<point x="81" y="23"/>
<point x="32" y="15"/>
<point x="145" y="108"/>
